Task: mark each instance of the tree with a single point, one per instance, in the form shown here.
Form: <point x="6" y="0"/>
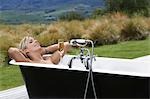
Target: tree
<point x="97" y="12"/>
<point x="71" y="16"/>
<point x="129" y="6"/>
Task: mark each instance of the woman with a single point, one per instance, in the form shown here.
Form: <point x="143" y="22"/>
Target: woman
<point x="30" y="51"/>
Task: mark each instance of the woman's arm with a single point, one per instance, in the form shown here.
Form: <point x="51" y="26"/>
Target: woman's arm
<point x="15" y="53"/>
<point x="56" y="56"/>
<point x="54" y="48"/>
<point x="51" y="49"/>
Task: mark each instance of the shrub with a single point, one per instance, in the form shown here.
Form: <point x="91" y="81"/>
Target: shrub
<point x="147" y="20"/>
<point x="86" y="24"/>
<point x="37" y="29"/>
<point x="117" y="18"/>
<point x="97" y="13"/>
<point x="104" y="33"/>
<point x="129" y="6"/>
<point x="47" y="39"/>
<point x="5" y="42"/>
<point x="69" y="16"/>
<point x="72" y="29"/>
<point x="135" y="29"/>
<point x="30" y="29"/>
<point x="49" y="36"/>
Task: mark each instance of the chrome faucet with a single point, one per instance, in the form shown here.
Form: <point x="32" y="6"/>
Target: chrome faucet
<point x="85" y="56"/>
<point x="70" y="62"/>
<point x="87" y="60"/>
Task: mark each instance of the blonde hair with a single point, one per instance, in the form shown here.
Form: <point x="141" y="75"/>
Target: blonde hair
<point x="24" y="42"/>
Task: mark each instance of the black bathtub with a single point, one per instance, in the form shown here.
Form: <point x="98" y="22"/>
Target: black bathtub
<point x="113" y="78"/>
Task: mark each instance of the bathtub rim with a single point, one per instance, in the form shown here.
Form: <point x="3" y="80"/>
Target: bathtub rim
<point x="61" y="66"/>
<point x="42" y="65"/>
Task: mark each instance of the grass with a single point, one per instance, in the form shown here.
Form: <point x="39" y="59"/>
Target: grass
<point x="10" y="76"/>
<point x="132" y="49"/>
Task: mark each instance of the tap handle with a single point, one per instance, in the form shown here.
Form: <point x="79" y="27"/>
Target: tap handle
<point x="94" y="57"/>
<point x="87" y="67"/>
<point x="78" y="42"/>
<point x="87" y="63"/>
<point x="70" y="62"/>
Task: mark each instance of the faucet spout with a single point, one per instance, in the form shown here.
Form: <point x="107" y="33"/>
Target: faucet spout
<point x="86" y="63"/>
<point x="70" y="62"/>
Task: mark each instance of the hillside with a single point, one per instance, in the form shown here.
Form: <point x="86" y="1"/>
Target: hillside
<point x="22" y="11"/>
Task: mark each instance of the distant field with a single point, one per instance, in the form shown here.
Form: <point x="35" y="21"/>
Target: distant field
<point x="42" y="15"/>
<point x="17" y="17"/>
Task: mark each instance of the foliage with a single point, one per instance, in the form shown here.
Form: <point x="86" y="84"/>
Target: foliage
<point x="71" y="16"/>
<point x="97" y="13"/>
<point x="129" y="6"/>
<point x="135" y="29"/>
<point x="49" y="36"/>
<point x="72" y="29"/>
<point x="104" y="33"/>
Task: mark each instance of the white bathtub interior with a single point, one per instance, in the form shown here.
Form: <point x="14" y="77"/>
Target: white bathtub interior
<point x="122" y="66"/>
<point x="102" y="65"/>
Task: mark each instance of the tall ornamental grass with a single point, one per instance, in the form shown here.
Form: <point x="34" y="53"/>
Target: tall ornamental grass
<point x="135" y="29"/>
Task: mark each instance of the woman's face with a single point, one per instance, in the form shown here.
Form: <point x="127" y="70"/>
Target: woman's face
<point x="33" y="45"/>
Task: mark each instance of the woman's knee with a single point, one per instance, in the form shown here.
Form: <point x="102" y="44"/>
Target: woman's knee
<point x="55" y="58"/>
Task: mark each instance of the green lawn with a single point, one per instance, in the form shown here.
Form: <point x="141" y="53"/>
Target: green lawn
<point x="129" y="49"/>
<point x="10" y="76"/>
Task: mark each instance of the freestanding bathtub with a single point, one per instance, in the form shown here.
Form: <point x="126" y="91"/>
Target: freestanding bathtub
<point x="113" y="78"/>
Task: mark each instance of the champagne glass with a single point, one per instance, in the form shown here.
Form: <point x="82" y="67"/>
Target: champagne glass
<point x="60" y="44"/>
<point x="60" y="48"/>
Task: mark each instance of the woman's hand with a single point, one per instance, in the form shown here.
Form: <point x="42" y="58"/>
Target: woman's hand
<point x="17" y="55"/>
